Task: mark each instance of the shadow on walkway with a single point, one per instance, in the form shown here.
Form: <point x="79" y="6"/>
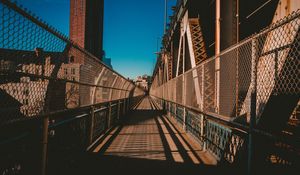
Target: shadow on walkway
<point x="146" y="143"/>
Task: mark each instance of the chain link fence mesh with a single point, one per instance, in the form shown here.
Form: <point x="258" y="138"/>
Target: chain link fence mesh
<point x="42" y="71"/>
<point x="45" y="76"/>
<point x="276" y="61"/>
<point x="266" y="64"/>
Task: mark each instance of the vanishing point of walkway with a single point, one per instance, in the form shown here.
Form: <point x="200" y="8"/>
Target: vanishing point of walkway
<point x="146" y="143"/>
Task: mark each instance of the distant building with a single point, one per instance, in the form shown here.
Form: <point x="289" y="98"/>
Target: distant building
<point x="143" y="82"/>
<point x="86" y="25"/>
<point x="107" y="62"/>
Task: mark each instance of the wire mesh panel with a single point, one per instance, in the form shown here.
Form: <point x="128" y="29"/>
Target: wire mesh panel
<point x="173" y="109"/>
<point x="45" y="76"/>
<point x="190" y="93"/>
<point x="228" y="81"/>
<point x="217" y="138"/>
<point x="258" y="77"/>
<point x="100" y="122"/>
<point x="278" y="83"/>
<point x="179" y="89"/>
<point x="41" y="70"/>
<point x="275" y="76"/>
<point x="114" y="114"/>
<point x="209" y="95"/>
<point x="193" y="124"/>
<point x="180" y="114"/>
<point x="244" y="77"/>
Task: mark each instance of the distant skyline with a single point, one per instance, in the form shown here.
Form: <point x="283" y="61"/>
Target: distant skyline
<point x="131" y="29"/>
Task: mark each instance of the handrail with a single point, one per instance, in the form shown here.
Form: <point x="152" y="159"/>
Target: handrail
<point x="58" y="112"/>
<point x="239" y="126"/>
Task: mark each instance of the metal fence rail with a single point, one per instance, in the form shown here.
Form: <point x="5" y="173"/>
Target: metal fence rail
<point x="266" y="63"/>
<point x="42" y="71"/>
<point x="257" y="92"/>
<point x="55" y="97"/>
<point x="275" y="71"/>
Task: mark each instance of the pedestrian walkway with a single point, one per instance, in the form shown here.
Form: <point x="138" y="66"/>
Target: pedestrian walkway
<point x="148" y="143"/>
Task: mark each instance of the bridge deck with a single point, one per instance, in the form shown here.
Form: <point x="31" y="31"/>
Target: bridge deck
<point x="147" y="143"/>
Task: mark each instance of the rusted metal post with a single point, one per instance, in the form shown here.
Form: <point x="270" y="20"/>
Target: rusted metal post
<point x="128" y="103"/>
<point x="124" y="106"/>
<point x="169" y="109"/>
<point x="202" y="118"/>
<point x="217" y="54"/>
<point x="184" y="119"/>
<point x="118" y="109"/>
<point x="45" y="145"/>
<point x="202" y="134"/>
<point x="237" y="60"/>
<point x="175" y="111"/>
<point x="91" y="131"/>
<point x="109" y="115"/>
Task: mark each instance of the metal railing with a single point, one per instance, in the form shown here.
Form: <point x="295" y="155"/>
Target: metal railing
<point x="55" y="97"/>
<point x="255" y="94"/>
<point x="228" y="141"/>
<point x="273" y="67"/>
<point x="63" y="136"/>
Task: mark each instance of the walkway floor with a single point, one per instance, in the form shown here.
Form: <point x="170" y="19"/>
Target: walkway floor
<point x="147" y="143"/>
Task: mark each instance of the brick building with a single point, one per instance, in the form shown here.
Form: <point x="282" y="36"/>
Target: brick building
<point x="86" y="25"/>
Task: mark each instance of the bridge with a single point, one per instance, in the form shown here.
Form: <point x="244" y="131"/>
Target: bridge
<point x="232" y="110"/>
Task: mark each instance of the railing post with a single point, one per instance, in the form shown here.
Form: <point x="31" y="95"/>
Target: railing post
<point x="217" y="54"/>
<point x="45" y="145"/>
<point x="252" y="106"/>
<point x="128" y="104"/>
<point x="202" y="134"/>
<point x="109" y="115"/>
<point x="169" y="109"/>
<point x="119" y="110"/>
<point x="175" y="111"/>
<point x="91" y="131"/>
<point x="124" y="106"/>
<point x="184" y="119"/>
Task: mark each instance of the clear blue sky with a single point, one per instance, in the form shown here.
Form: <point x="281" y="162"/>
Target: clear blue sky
<point x="131" y="29"/>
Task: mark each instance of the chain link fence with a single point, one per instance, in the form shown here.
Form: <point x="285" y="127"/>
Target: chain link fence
<point x="56" y="98"/>
<point x="269" y="61"/>
<point x="42" y="71"/>
<point x="260" y="71"/>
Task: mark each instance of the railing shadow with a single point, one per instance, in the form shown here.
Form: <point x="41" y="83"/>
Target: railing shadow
<point x="126" y="148"/>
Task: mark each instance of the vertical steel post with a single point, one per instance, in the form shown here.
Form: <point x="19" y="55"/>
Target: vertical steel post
<point x="109" y="115"/>
<point x="124" y="106"/>
<point x="45" y="145"/>
<point x="119" y="110"/>
<point x="202" y="108"/>
<point x="237" y="61"/>
<point x="184" y="100"/>
<point x="184" y="119"/>
<point x="175" y="111"/>
<point x="129" y="103"/>
<point x="168" y="110"/>
<point x="92" y="112"/>
<point x="183" y="85"/>
<point x="252" y="107"/>
<point x="202" y="134"/>
<point x="217" y="54"/>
